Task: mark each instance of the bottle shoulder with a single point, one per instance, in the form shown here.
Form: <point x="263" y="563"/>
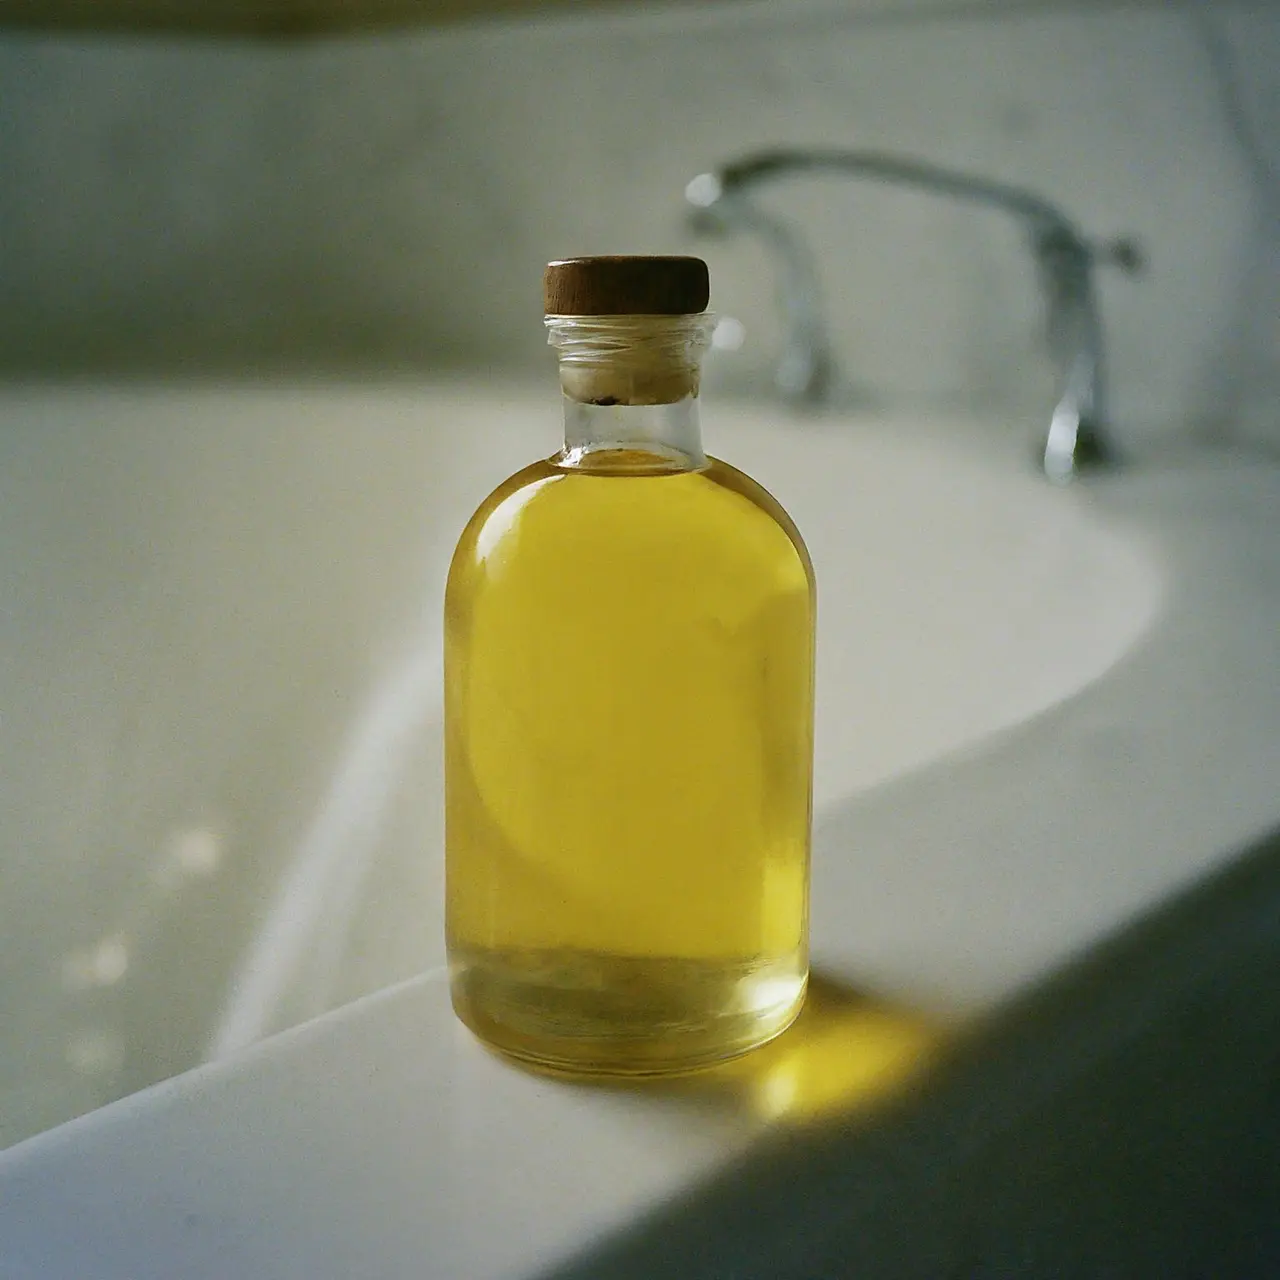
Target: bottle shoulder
<point x="715" y="510"/>
<point x="515" y="491"/>
<point x="733" y="480"/>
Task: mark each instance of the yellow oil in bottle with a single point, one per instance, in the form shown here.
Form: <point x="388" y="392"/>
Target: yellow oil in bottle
<point x="628" y="685"/>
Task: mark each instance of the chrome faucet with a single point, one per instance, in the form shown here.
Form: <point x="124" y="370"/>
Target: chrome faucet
<point x="1077" y="434"/>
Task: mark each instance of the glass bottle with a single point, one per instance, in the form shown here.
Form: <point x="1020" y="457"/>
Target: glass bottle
<point x="629" y="631"/>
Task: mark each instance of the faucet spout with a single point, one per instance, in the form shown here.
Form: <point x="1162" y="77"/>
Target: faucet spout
<point x="1078" y="433"/>
<point x="804" y="367"/>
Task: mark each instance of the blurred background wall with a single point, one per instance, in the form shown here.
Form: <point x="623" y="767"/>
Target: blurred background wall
<point x="384" y="202"/>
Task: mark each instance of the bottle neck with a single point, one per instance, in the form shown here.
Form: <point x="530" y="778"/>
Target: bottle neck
<point x="631" y="391"/>
<point x="633" y="437"/>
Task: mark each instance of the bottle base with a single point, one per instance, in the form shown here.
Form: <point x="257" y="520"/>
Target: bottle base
<point x="587" y="1014"/>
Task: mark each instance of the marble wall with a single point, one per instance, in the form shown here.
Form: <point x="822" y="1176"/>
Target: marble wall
<point x="385" y="202"/>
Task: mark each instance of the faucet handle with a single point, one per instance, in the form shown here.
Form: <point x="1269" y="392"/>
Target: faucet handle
<point x="1059" y="246"/>
<point x="1125" y="252"/>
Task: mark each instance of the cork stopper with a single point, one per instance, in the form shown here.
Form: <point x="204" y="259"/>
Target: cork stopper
<point x="626" y="286"/>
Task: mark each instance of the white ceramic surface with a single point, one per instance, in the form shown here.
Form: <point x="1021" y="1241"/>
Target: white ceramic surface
<point x="221" y="702"/>
<point x="1040" y="712"/>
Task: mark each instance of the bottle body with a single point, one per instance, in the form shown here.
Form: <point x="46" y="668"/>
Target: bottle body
<point x="629" y="721"/>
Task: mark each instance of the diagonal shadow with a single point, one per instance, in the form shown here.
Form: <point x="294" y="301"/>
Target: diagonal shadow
<point x="1123" y="1119"/>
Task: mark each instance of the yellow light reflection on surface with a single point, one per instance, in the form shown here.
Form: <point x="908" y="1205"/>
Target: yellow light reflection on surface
<point x="845" y="1050"/>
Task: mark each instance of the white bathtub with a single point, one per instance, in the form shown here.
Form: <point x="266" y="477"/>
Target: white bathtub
<point x="220" y="712"/>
